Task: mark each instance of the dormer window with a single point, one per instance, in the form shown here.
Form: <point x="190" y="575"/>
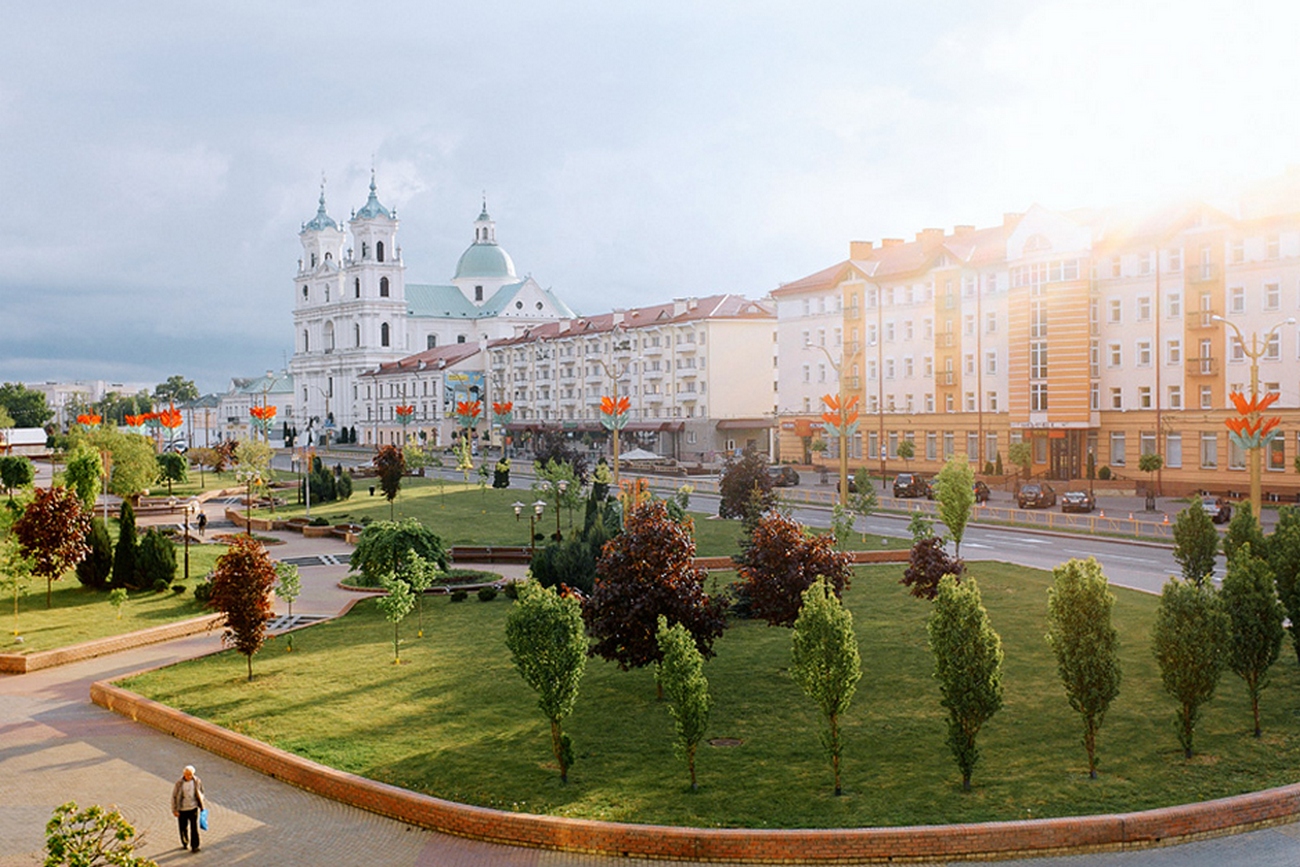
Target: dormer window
<point x="328" y="257"/>
<point x="478" y="293"/>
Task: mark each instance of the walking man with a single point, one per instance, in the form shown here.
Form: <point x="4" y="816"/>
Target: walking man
<point x="187" y="800"/>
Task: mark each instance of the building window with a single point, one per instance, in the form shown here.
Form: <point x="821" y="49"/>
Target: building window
<point x="969" y="364"/>
<point x="1094" y="396"/>
<point x="383" y="287"/>
<point x="908" y="366"/>
<point x="948" y="403"/>
<point x="1144" y="353"/>
<point x="478" y="293"/>
<point x="1175" y="397"/>
<point x="1117" y="398"/>
<point x="929" y="402"/>
<point x="807" y="373"/>
<point x="970" y="401"/>
<point x="1236" y="351"/>
<point x="379" y="251"/>
<point x="1144" y="264"/>
<point x="1272" y="296"/>
<point x="1174" y="305"/>
<point x="1237" y="299"/>
<point x="1174" y="352"/>
<point x="990" y="323"/>
<point x="431" y="341"/>
<point x="992" y="401"/>
<point x="1238" y="251"/>
<point x="1037" y="319"/>
<point x="356" y="335"/>
<point x="306" y="341"/>
<point x="1273" y="348"/>
<point x="1144" y="397"/>
<point x="1173" y="450"/>
<point x="1144" y="308"/>
<point x="1116" y="308"/>
<point x="1176" y="260"/>
<point x="1038" y="397"/>
<point x="931" y="446"/>
<point x="1236" y="456"/>
<point x="1209" y="451"/>
<point x="991" y="362"/>
<point x="1116" y="355"/>
<point x="1275" y="461"/>
<point x="1038" y="359"/>
<point x="305" y="293"/>
<point x="383" y="334"/>
<point x="1040" y="449"/>
<point x="949" y="444"/>
<point x="1207" y="397"/>
<point x="1146" y="443"/>
<point x="1117" y="446"/>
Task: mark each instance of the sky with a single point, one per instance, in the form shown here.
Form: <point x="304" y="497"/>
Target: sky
<point x="157" y="160"/>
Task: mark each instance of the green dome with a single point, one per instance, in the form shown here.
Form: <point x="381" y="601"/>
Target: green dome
<point x="485" y="260"/>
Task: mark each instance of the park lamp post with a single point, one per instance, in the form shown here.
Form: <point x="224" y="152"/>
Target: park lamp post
<point x="560" y="486"/>
<point x="845" y="419"/>
<point x="1250" y="431"/>
<point x="248" y="477"/>
<point x="191" y="506"/>
<point x="532" y="522"/>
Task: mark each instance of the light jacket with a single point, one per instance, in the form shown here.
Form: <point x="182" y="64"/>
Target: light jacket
<point x="176" y="793"/>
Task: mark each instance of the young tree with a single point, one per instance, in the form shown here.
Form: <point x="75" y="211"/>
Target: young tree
<point x="1195" y="543"/>
<point x="863" y="501"/>
<point x="117" y="598"/>
<point x="95" y="570"/>
<point x="1190" y="641"/>
<point x="545" y="635"/>
<point x="85" y="473"/>
<point x="1255" y="614"/>
<point x="1283" y="552"/>
<point x="135" y="466"/>
<point x="1149" y="464"/>
<point x="93" y="837"/>
<point x="52" y="533"/>
<point x="920" y="527"/>
<point x="391" y="466"/>
<point x="906" y="451"/>
<point x="15" y="572"/>
<point x="1086" y="644"/>
<point x="741" y="478"/>
<point x="783" y="560"/>
<point x="288" y="584"/>
<point x="928" y="563"/>
<point x="681" y="674"/>
<point x="1243" y="530"/>
<point x="241" y="590"/>
<point x="825" y="662"/>
<point x="968" y="666"/>
<point x="646" y="571"/>
<point x="16" y="471"/>
<point x="385" y="548"/>
<point x="156" y="560"/>
<point x="955" y="490"/>
<point x="126" y="572"/>
<point x="1022" y="455"/>
<point x="419" y="574"/>
<point x="172" y="468"/>
<point x="253" y="467"/>
<point x="396" y="604"/>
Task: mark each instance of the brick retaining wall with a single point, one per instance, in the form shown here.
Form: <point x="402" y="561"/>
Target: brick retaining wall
<point x="980" y="841"/>
<point x="21" y="663"/>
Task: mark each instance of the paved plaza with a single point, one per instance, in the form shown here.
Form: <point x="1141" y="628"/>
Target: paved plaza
<point x="56" y="746"/>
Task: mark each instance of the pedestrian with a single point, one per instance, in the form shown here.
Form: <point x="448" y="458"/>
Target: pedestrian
<point x="187" y="801"/>
<point x="203" y="524"/>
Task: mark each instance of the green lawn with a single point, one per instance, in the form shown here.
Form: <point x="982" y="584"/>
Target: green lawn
<point x="81" y="614"/>
<point x="455" y="720"/>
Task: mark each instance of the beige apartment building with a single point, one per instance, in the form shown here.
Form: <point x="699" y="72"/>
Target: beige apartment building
<point x="1095" y="336"/>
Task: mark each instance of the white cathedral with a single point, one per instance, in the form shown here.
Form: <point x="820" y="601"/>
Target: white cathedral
<point x="354" y="310"/>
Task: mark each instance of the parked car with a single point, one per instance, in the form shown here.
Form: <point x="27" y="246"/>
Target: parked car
<point x="910" y="485"/>
<point x="1036" y="496"/>
<point x="783" y="476"/>
<point x="178" y="445"/>
<point x="1219" y="509"/>
<point x="981" y="490"/>
<point x="853" y="485"/>
<point x="1077" y="501"/>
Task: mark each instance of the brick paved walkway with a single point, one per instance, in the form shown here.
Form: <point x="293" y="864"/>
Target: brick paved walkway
<point x="56" y="746"/>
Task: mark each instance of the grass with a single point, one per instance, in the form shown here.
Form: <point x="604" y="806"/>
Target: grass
<point x="455" y="720"/>
<point x="80" y="614"/>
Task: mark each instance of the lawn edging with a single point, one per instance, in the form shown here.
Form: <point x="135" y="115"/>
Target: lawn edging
<point x="21" y="663"/>
<point x="971" y="841"/>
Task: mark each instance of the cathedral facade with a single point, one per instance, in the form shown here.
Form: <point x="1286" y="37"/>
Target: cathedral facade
<point x="354" y="309"/>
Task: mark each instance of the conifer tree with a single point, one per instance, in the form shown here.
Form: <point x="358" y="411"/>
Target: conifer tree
<point x="1190" y="640"/>
<point x="1249" y="598"/>
<point x="125" y="569"/>
<point x="681" y="673"/>
<point x="826" y="663"/>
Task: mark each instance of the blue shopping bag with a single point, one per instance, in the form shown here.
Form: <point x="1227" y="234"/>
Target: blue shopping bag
<point x="203" y="819"/>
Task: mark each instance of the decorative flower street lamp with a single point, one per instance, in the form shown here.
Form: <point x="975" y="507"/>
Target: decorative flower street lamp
<point x="467" y="413"/>
<point x="263" y="418"/>
<point x="842" y="422"/>
<point x="135" y="423"/>
<point x="171" y="419"/>
<point x="404" y="415"/>
<point x="613" y="411"/>
<point x="89" y="420"/>
<point x="503" y="414"/>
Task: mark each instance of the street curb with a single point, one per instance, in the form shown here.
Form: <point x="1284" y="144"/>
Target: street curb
<point x="22" y="663"/>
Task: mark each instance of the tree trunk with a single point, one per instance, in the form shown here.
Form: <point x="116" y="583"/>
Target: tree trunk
<point x="965" y="782"/>
<point x="690" y="761"/>
<point x="1254" y="703"/>
<point x="558" y="750"/>
<point x="49" y="591"/>
<point x="835" y="752"/>
<point x="249" y="657"/>
<point x="1090" y="744"/>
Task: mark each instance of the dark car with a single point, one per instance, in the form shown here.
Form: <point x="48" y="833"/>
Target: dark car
<point x="1036" y="496"/>
<point x="1219" y="509"/>
<point x="910" y="485"/>
<point x="853" y="485"/>
<point x="1077" y="501"/>
<point x="783" y="476"/>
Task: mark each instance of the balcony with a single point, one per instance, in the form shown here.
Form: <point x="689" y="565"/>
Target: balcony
<point x="1204" y="319"/>
<point x="853" y="311"/>
<point x="946" y="339"/>
<point x="1205" y="272"/>
<point x="946" y="377"/>
<point x="852" y="383"/>
<point x="1208" y="366"/>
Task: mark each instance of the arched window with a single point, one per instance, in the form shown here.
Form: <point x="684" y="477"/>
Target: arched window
<point x="304" y="293"/>
<point x="356" y="287"/>
<point x="383" y="287"/>
<point x="431" y="341"/>
<point x="478" y="293"/>
<point x="306" y="341"/>
<point x="328" y="257"/>
<point x="379" y="250"/>
<point x="356" y="335"/>
<point x="327" y="294"/>
<point x="383" y="334"/>
<point x="329" y="337"/>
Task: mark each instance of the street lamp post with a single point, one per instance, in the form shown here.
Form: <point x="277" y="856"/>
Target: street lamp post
<point x="560" y="487"/>
<point x="1254" y="350"/>
<point x="532" y="522"/>
<point x="614" y="418"/>
<point x="843" y="427"/>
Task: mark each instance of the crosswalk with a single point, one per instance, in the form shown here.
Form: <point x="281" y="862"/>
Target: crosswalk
<point x="341" y="559"/>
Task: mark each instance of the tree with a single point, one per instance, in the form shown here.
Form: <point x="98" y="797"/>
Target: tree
<point x="177" y="389"/>
<point x="126" y="572"/>
<point x="1255" y="615"/>
<point x="825" y="661"/>
<point x="556" y="446"/>
<point x="646" y="571"/>
<point x="52" y="533"/>
<point x="385" y="548"/>
<point x="681" y="676"/>
<point x="1022" y="455"/>
<point x="920" y="527"/>
<point x="1190" y="641"/>
<point x="1086" y="644"/>
<point x="95" y="570"/>
<point x="955" y="490"/>
<point x="1243" y="530"/>
<point x="782" y="561"/>
<point x="134" y="467"/>
<point x="906" y="451"/>
<point x="391" y="465"/>
<point x="968" y="666"/>
<point x="419" y="574"/>
<point x="927" y="565"/>
<point x="544" y="632"/>
<point x="16" y="471"/>
<point x="288" y="583"/>
<point x="396" y="604"/>
<point x="241" y="590"/>
<point x="156" y="560"/>
<point x="1283" y="552"/>
<point x="253" y="464"/>
<point x="15" y="571"/>
<point x="93" y="837"/>
<point x="172" y="468"/>
<point x="6" y="420"/>
<point x="1149" y="463"/>
<point x="117" y="598"/>
<point x="85" y="474"/>
<point x="25" y="406"/>
<point x="1195" y="543"/>
<point x="863" y="500"/>
<point x="746" y="487"/>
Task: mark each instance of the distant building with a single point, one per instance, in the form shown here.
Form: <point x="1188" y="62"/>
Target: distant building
<point x="354" y="310"/>
<point x="271" y="389"/>
<point x="68" y="398"/>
